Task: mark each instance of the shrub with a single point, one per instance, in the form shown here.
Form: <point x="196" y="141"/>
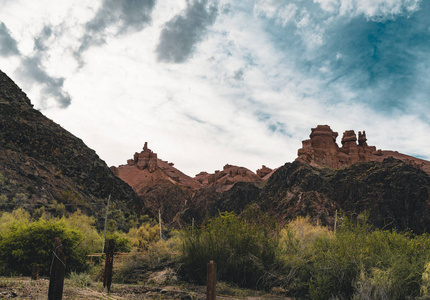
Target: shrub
<point x="296" y="254"/>
<point x="92" y="241"/>
<point x="140" y="264"/>
<point x="363" y="262"/>
<point x="143" y="236"/>
<point x="80" y="279"/>
<point x="122" y="241"/>
<point x="243" y="249"/>
<point x="24" y="244"/>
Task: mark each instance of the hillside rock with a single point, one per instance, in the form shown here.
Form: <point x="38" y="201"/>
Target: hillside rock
<point x="43" y="164"/>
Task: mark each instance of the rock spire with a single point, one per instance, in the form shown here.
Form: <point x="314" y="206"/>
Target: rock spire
<point x="322" y="150"/>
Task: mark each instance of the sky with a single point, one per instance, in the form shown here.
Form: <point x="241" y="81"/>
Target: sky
<point x="211" y="82"/>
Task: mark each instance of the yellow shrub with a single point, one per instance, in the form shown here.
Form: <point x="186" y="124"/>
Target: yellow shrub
<point x="144" y="235"/>
<point x="425" y="285"/>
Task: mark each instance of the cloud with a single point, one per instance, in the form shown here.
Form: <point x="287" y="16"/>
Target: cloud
<point x="380" y="61"/>
<point x="369" y="52"/>
<point x="8" y="45"/>
<point x="32" y="70"/>
<point x="116" y="17"/>
<point x="181" y="34"/>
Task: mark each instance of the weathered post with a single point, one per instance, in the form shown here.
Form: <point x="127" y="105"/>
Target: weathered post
<point x="211" y="281"/>
<point x="35" y="272"/>
<point x="107" y="281"/>
<point x="57" y="272"/>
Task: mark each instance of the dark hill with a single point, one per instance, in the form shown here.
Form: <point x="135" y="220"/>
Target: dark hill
<point x="44" y="167"/>
<point x="395" y="194"/>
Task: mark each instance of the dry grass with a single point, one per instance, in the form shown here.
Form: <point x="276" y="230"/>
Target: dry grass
<point x="25" y="288"/>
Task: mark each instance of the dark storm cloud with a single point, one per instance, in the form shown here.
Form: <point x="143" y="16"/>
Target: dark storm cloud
<point x="32" y="69"/>
<point x="8" y="45"/>
<point x="180" y="35"/>
<point x="52" y="87"/>
<point x="125" y="15"/>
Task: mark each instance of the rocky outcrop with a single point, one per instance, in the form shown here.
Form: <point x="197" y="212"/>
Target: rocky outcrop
<point x="321" y="150"/>
<point x="225" y="179"/>
<point x="264" y="171"/>
<point x="144" y="160"/>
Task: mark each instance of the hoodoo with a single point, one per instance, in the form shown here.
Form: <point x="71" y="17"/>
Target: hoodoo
<point x="321" y="150"/>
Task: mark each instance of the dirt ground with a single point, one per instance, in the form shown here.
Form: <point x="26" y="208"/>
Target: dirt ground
<point x="25" y="288"/>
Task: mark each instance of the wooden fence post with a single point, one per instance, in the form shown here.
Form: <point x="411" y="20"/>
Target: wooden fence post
<point x="107" y="280"/>
<point x="35" y="272"/>
<point x="57" y="272"/>
<point x="211" y="281"/>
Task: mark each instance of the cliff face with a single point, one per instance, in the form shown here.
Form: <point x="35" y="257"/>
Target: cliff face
<point x="43" y="165"/>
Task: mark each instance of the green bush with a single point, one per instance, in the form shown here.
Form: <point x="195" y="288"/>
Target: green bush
<point x="365" y="263"/>
<point x="140" y="265"/>
<point x="122" y="241"/>
<point x="24" y="244"/>
<point x="296" y="254"/>
<point x="244" y="250"/>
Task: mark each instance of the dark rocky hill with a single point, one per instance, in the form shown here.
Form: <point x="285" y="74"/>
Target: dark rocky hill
<point x="45" y="168"/>
<point x="394" y="193"/>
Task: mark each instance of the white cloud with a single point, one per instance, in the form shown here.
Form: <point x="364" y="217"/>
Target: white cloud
<point x="372" y="9"/>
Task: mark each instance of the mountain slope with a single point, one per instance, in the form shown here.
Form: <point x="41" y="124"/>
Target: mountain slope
<point x="43" y="164"/>
<point x="395" y="193"/>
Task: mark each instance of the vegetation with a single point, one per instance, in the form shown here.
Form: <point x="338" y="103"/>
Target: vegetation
<point x="300" y="259"/>
<point x="80" y="279"/>
<point x="244" y="250"/>
<point x="25" y="243"/>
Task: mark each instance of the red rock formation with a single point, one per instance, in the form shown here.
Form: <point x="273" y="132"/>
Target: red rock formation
<point x="144" y="160"/>
<point x="225" y="179"/>
<point x="322" y="150"/>
<point x="263" y="171"/>
<point x="145" y="170"/>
